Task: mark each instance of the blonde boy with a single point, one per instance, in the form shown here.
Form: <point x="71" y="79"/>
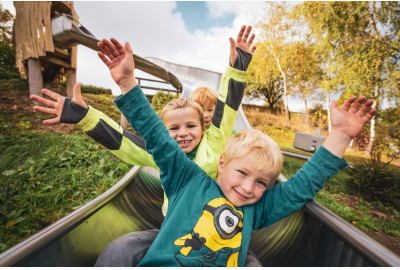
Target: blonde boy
<point x="209" y="223"/>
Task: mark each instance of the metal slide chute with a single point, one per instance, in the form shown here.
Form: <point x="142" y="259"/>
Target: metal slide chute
<point x="68" y="32"/>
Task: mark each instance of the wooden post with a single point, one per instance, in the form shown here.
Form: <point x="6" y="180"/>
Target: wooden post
<point x="35" y="77"/>
<point x="71" y="81"/>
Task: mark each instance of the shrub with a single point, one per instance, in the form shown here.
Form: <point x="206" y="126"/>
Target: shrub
<point x="376" y="180"/>
<point x="160" y="99"/>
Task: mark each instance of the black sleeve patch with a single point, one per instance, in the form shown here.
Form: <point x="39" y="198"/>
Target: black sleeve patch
<point x="235" y="95"/>
<point x="104" y="134"/>
<point x="72" y="113"/>
<point x="218" y="113"/>
<point x="139" y="141"/>
<point x="243" y="60"/>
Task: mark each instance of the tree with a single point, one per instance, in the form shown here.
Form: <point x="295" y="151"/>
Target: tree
<point x="364" y="38"/>
<point x="277" y="32"/>
<point x="305" y="72"/>
<point x="7" y="53"/>
<point x="265" y="82"/>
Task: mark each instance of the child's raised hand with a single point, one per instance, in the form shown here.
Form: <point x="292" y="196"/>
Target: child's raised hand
<point x="243" y="42"/>
<point x="120" y="62"/>
<point x="56" y="107"/>
<point x="351" y="116"/>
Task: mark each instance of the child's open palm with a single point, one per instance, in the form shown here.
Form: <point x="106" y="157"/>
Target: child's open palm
<point x="119" y="60"/>
<point x="349" y="118"/>
<point x="56" y="107"/>
<point x="243" y="42"/>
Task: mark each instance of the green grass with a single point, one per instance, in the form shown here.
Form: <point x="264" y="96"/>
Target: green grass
<point x="359" y="215"/>
<point x="45" y="175"/>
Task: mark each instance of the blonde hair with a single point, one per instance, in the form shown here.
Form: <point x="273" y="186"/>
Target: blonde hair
<point x="182" y="103"/>
<point x="254" y="142"/>
<point x="204" y="96"/>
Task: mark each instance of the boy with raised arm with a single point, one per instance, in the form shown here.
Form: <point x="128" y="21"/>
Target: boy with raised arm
<point x="183" y="118"/>
<point x="209" y="223"/>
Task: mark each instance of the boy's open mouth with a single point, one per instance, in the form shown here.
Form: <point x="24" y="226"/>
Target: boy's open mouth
<point x="184" y="143"/>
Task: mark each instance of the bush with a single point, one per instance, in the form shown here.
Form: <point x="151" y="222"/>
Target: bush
<point x="376" y="180"/>
<point x="160" y="99"/>
<point x="91" y="89"/>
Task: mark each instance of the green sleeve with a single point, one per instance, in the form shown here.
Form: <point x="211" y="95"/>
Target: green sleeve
<point x="126" y="146"/>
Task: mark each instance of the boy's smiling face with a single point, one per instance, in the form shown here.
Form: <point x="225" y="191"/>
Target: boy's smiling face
<point x="241" y="180"/>
<point x="184" y="126"/>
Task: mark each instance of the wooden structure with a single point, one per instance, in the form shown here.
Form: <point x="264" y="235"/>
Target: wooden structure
<point x="37" y="59"/>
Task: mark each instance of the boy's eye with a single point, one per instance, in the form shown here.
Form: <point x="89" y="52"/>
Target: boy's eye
<point x="262" y="183"/>
<point x="173" y="128"/>
<point x="191" y="126"/>
<point x="242" y="172"/>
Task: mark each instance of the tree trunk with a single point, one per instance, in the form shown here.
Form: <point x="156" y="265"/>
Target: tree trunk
<point x="328" y="110"/>
<point x="372" y="133"/>
<point x="35" y="78"/>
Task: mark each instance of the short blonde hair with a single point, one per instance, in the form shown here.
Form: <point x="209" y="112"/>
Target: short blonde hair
<point x="254" y="142"/>
<point x="204" y="96"/>
<point x="182" y="103"/>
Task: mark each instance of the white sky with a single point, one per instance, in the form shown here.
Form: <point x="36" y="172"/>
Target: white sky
<point x="158" y="29"/>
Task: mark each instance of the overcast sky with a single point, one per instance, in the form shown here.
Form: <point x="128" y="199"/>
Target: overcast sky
<point x="190" y="33"/>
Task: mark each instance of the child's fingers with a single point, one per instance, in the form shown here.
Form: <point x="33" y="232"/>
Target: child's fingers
<point x="51" y="94"/>
<point x="52" y="121"/>
<point x="128" y="49"/>
<point x="369" y="116"/>
<point x="246" y="34"/>
<point x="103" y="58"/>
<point x="345" y="106"/>
<point x="76" y="91"/>
<point x="111" y="50"/>
<point x="251" y="40"/>
<point x="117" y="45"/>
<point x="105" y="50"/>
<point x="357" y="104"/>
<point x="44" y="110"/>
<point x="240" y="35"/>
<point x="44" y="101"/>
<point x="253" y="49"/>
<point x="365" y="108"/>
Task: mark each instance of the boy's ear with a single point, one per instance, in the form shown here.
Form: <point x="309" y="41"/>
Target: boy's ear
<point x="204" y="130"/>
<point x="220" y="165"/>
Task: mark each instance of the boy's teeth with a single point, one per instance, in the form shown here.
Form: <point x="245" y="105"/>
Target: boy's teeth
<point x="184" y="142"/>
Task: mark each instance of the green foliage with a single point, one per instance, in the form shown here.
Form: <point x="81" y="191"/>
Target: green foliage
<point x="45" y="176"/>
<point x="7" y="52"/>
<point x="160" y="99"/>
<point x="376" y="180"/>
<point x="91" y="89"/>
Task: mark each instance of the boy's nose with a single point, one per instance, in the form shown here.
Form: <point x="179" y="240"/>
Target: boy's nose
<point x="183" y="132"/>
<point x="248" y="185"/>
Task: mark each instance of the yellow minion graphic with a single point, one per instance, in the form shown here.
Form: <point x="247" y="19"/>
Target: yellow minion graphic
<point x="216" y="238"/>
